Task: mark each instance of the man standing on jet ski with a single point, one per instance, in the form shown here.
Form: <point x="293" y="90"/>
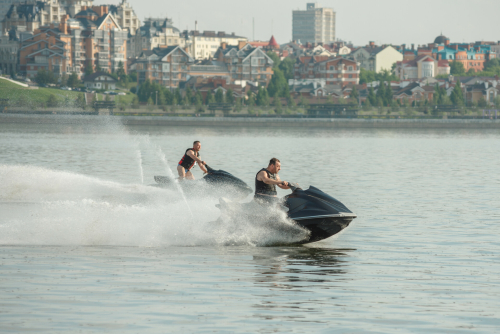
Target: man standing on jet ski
<point x="266" y="181"/>
<point x="190" y="158"/>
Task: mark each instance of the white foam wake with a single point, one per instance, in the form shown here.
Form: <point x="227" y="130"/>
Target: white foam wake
<point x="47" y="207"/>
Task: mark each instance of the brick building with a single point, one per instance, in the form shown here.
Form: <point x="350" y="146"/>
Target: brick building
<point x="332" y="70"/>
<point x="92" y="38"/>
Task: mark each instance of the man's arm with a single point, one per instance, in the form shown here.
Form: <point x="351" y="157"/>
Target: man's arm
<point x="262" y="176"/>
<point x="283" y="184"/>
<point x="203" y="168"/>
<point x="190" y="153"/>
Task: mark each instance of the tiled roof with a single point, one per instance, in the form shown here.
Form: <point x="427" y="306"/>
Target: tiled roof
<point x="93" y="76"/>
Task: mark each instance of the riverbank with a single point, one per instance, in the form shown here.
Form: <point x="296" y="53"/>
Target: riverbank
<point x="254" y="121"/>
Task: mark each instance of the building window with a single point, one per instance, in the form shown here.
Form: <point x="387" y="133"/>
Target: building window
<point x="350" y="68"/>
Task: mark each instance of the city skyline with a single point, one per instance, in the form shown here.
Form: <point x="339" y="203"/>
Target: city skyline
<point x="467" y="23"/>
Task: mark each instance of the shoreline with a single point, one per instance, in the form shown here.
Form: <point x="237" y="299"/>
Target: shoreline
<point x="338" y="123"/>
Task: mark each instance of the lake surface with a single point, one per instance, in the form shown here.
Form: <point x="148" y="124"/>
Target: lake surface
<point x="87" y="246"/>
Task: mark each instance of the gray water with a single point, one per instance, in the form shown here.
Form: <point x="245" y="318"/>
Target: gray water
<point x="87" y="246"/>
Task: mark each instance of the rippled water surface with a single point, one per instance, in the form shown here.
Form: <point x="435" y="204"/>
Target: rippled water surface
<point x="87" y="245"/>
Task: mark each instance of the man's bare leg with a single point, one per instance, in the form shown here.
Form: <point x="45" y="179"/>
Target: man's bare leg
<point x="182" y="173"/>
<point x="189" y="176"/>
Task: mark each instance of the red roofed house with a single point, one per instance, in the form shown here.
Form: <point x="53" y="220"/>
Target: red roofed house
<point x="271" y="45"/>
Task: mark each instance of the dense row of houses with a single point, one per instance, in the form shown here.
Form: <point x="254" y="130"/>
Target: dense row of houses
<point x="71" y="36"/>
<point x="172" y="65"/>
<point x="474" y="89"/>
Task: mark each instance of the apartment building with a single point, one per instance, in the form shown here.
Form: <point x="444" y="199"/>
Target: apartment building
<point x="245" y="62"/>
<point x="155" y="33"/>
<point x="166" y="66"/>
<point x="31" y="15"/>
<point x="92" y="38"/>
<point x="125" y="16"/>
<point x="331" y="70"/>
<point x="313" y="25"/>
<point x="202" y="45"/>
<point x="9" y="52"/>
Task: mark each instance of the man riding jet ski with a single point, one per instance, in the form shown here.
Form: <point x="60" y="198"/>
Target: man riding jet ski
<point x="312" y="209"/>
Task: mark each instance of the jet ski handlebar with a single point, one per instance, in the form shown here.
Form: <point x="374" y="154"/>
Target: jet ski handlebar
<point x="294" y="186"/>
<point x="209" y="169"/>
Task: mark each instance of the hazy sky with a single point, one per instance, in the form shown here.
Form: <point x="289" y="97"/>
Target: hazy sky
<point x="360" y="21"/>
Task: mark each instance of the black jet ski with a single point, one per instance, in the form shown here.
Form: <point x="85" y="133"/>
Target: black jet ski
<point x="315" y="211"/>
<point x="215" y="183"/>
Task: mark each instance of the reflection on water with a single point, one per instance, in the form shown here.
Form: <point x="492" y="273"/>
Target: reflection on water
<point x="295" y="265"/>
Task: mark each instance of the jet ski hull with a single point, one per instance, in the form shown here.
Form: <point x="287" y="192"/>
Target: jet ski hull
<point x="323" y="228"/>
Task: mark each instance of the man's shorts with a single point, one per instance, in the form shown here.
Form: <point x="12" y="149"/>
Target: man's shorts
<point x="185" y="169"/>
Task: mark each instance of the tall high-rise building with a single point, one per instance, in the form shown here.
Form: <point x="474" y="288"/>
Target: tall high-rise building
<point x="314" y="25"/>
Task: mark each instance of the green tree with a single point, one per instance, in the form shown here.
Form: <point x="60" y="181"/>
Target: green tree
<point x="121" y="71"/>
<point x="457" y="96"/>
<point x="303" y="102"/>
<point x="73" y="80"/>
<point x="135" y="102"/>
<point x="366" y="76"/>
<point x="161" y="98"/>
<point x="44" y="77"/>
<point x="275" y="58"/>
<point x="198" y="99"/>
<point x="80" y="101"/>
<point x="189" y="96"/>
<point x="251" y="100"/>
<point x="372" y="97"/>
<point x="210" y="98"/>
<point x="277" y="105"/>
<point x="89" y="70"/>
<point x="457" y="68"/>
<point x="482" y="102"/>
<point x="52" y="101"/>
<point x="388" y="94"/>
<point x="471" y="72"/>
<point x="262" y="97"/>
<point x="287" y="67"/>
<point x="381" y="93"/>
<point x="278" y="84"/>
<point x="230" y="96"/>
<point x="354" y="94"/>
<point x="150" y="102"/>
<point x="219" y="96"/>
<point x="169" y="97"/>
<point x="497" y="101"/>
<point x="178" y="96"/>
<point x="133" y="76"/>
<point x="367" y="105"/>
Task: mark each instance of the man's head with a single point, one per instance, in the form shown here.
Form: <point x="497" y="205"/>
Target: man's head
<point x="197" y="146"/>
<point x="274" y="166"/>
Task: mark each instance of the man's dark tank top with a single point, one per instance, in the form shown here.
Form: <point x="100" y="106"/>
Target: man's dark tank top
<point x="266" y="189"/>
<point x="188" y="162"/>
